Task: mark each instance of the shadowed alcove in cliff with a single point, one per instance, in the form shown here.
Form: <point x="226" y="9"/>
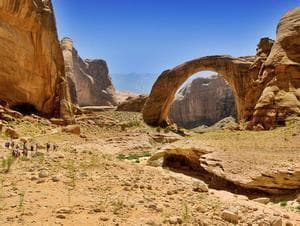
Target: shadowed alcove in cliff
<point x="25" y="108"/>
<point x="202" y="100"/>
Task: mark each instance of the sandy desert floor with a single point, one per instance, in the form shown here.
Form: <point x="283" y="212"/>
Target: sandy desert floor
<point x="101" y="177"/>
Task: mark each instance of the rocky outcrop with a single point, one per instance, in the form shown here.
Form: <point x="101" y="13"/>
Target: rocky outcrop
<point x="204" y="101"/>
<point x="266" y="87"/>
<point x="231" y="169"/>
<point x="280" y="75"/>
<point x="89" y="79"/>
<point x="31" y="61"/>
<point x="133" y="104"/>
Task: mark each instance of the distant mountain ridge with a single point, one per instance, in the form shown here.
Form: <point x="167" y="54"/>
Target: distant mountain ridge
<point x="135" y="82"/>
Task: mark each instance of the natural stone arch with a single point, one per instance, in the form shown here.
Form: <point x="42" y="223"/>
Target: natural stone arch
<point x="236" y="71"/>
<point x="266" y="86"/>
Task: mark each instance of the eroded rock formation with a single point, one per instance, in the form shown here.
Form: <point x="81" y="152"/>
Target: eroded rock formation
<point x="266" y="87"/>
<point x="223" y="169"/>
<point x="31" y="61"/>
<point x="279" y="75"/>
<point x="134" y="104"/>
<point x="89" y="79"/>
<point x="204" y="101"/>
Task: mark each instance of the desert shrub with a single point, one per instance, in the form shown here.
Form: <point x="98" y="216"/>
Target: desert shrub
<point x="7" y="164"/>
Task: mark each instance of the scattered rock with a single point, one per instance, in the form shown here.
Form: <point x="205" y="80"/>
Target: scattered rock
<point x="104" y="218"/>
<point x="151" y="223"/>
<point x="43" y="174"/>
<point x="60" y="155"/>
<point x="75" y="129"/>
<point x="165" y="138"/>
<point x="263" y="200"/>
<point x="56" y="178"/>
<point x="83" y="136"/>
<point x="33" y="178"/>
<point x="61" y="216"/>
<point x="12" y="133"/>
<point x="58" y="121"/>
<point x="175" y="220"/>
<point x="277" y="222"/>
<point x="40" y="181"/>
<point x="288" y="223"/>
<point x="200" y="186"/>
<point x="64" y="210"/>
<point x="230" y="216"/>
<point x="84" y="174"/>
<point x="98" y="210"/>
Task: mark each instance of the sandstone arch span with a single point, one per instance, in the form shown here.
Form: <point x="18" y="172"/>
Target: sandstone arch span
<point x="266" y="86"/>
<point x="234" y="70"/>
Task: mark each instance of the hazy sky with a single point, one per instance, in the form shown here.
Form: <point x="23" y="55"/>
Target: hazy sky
<point x="154" y="35"/>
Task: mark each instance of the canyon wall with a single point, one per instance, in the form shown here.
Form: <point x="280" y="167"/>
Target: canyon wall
<point x="31" y="61"/>
<point x="204" y="101"/>
<point x="89" y="80"/>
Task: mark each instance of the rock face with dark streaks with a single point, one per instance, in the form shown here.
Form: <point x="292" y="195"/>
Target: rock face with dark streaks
<point x="31" y="62"/>
<point x="204" y="101"/>
<point x="89" y="79"/>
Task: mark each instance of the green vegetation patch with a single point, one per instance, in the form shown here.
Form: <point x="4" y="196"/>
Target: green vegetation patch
<point x="133" y="156"/>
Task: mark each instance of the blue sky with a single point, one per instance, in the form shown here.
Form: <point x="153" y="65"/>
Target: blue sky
<point x="154" y="35"/>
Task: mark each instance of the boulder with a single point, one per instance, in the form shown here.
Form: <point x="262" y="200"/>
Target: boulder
<point x="75" y="129"/>
<point x="89" y="80"/>
<point x="31" y="61"/>
<point x="230" y="216"/>
<point x="199" y="186"/>
<point x="12" y="133"/>
<point x="58" y="121"/>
